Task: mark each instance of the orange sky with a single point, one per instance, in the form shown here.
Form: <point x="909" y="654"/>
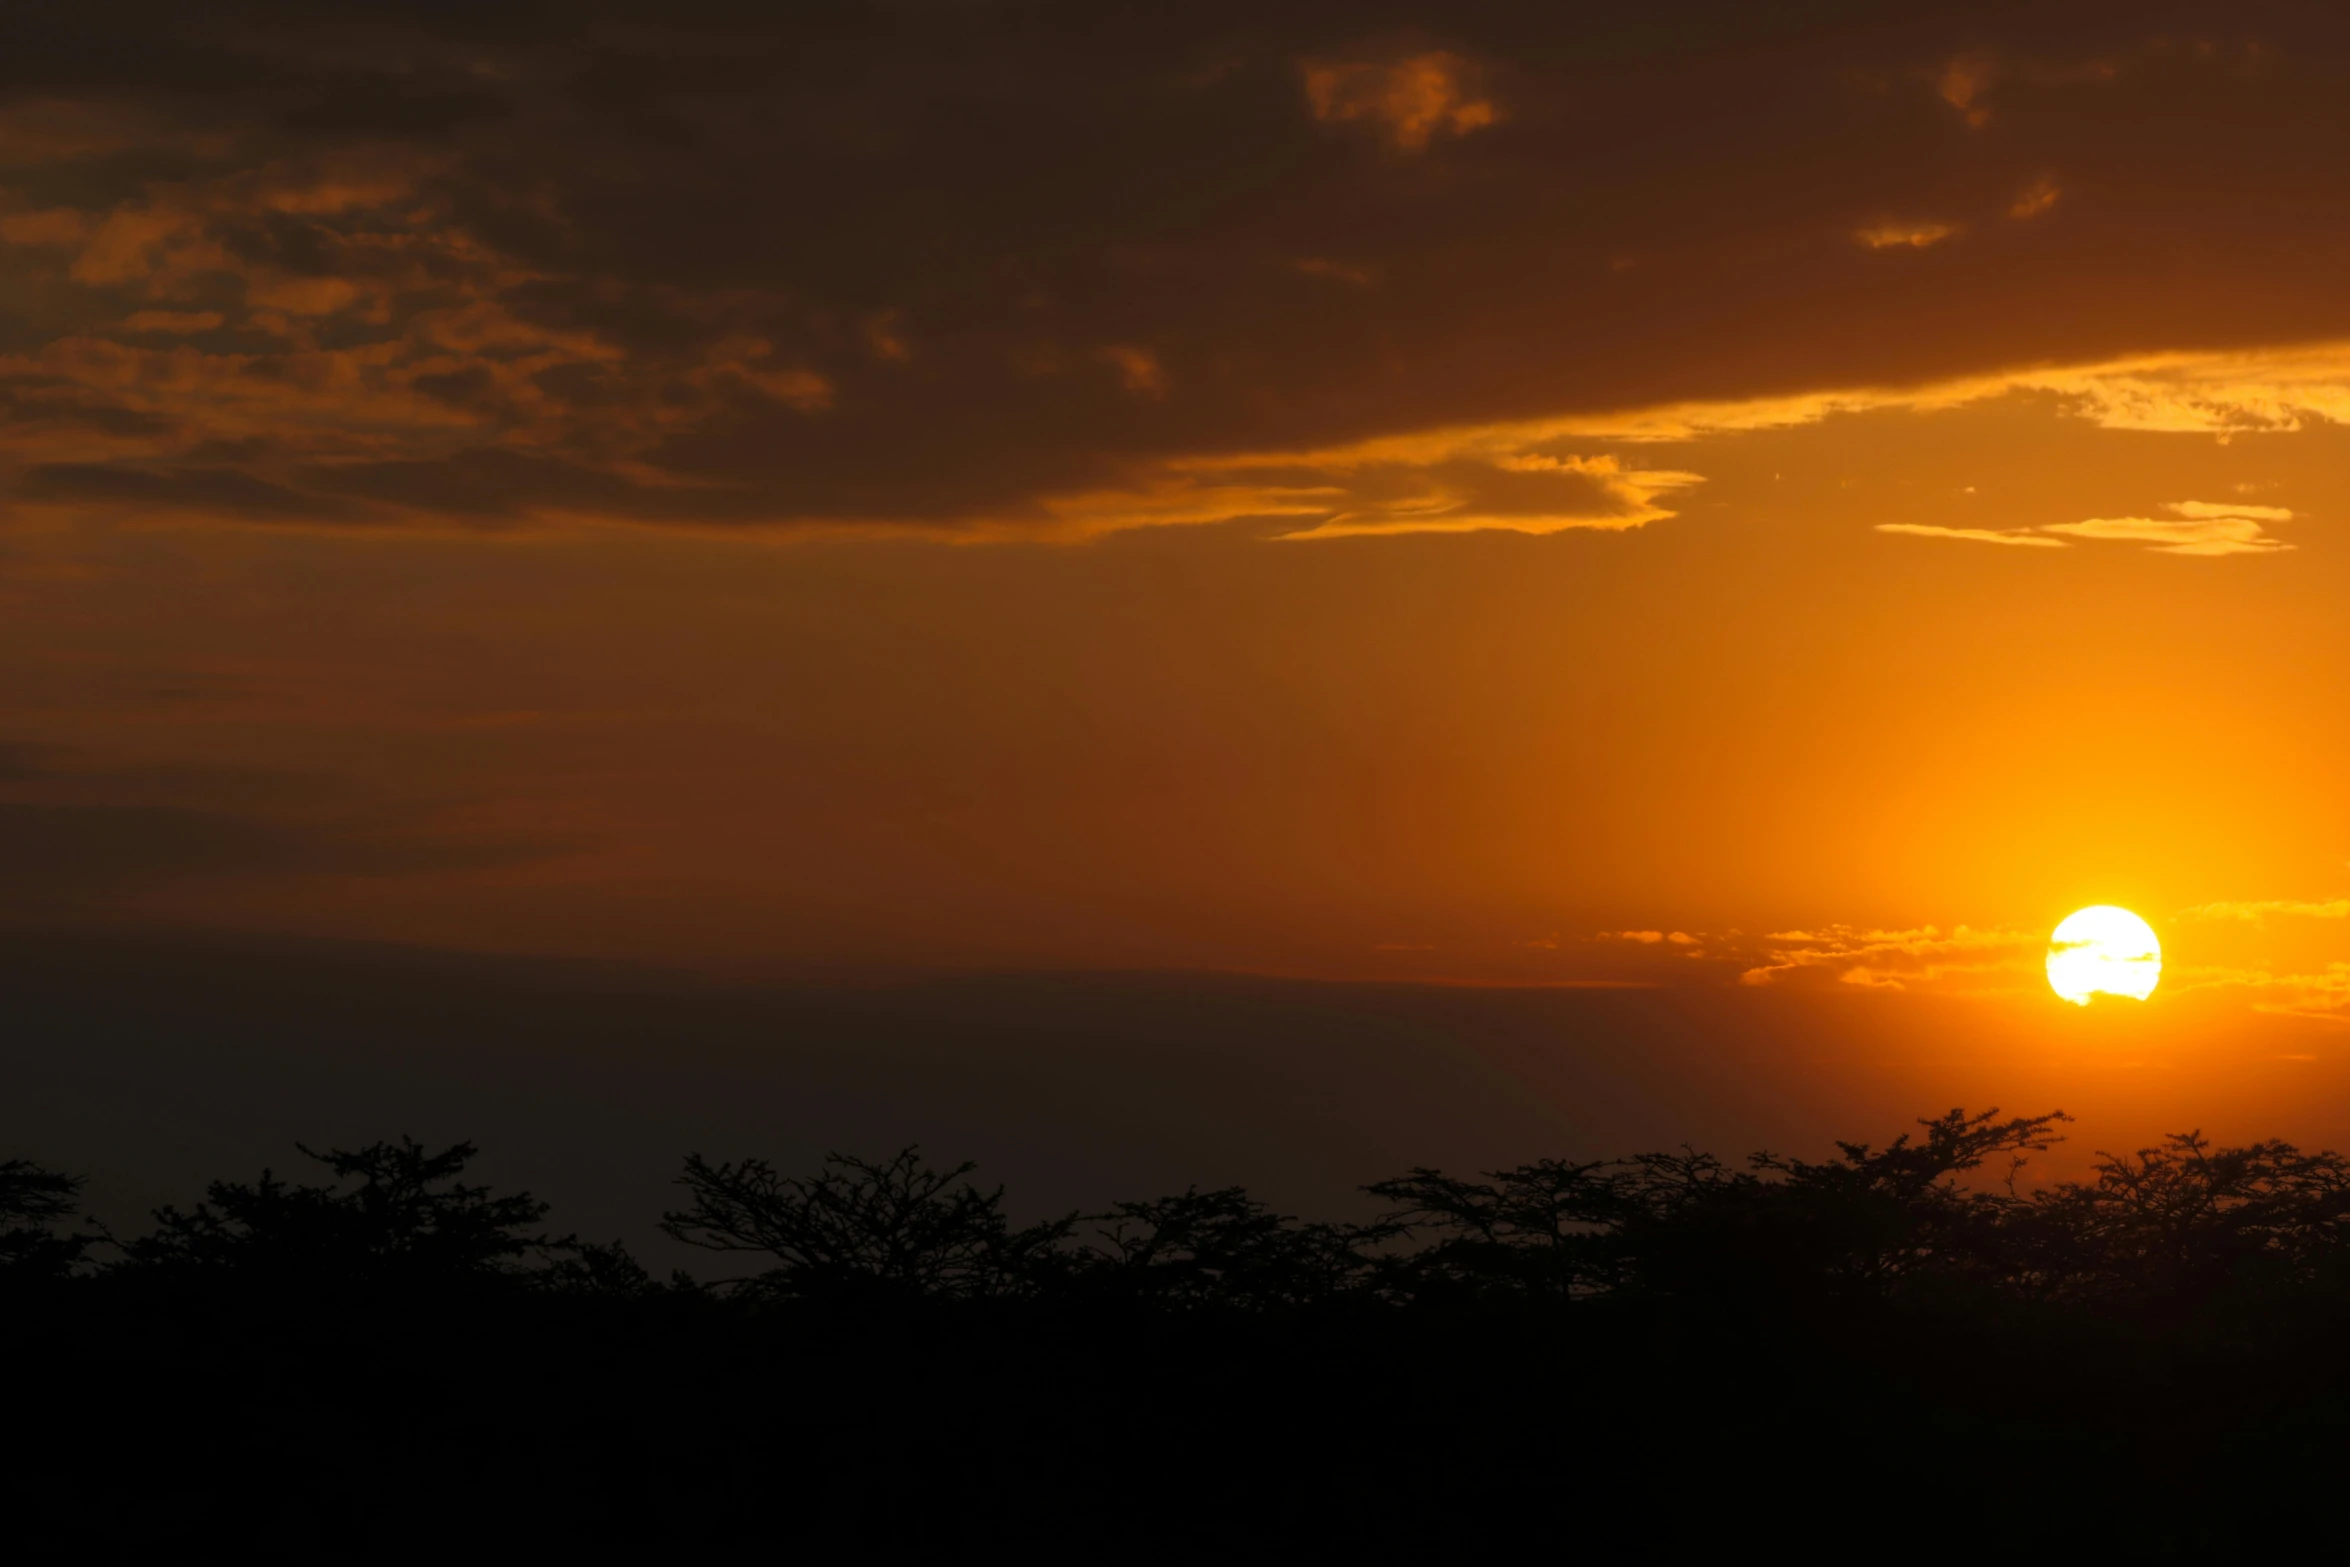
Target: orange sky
<point x="1410" y="497"/>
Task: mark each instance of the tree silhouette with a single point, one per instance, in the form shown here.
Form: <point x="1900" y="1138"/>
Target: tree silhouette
<point x="33" y="1201"/>
<point x="2189" y="1224"/>
<point x="1546" y="1229"/>
<point x="858" y="1227"/>
<point x="395" y="1213"/>
<point x="1868" y="1225"/>
<point x="1225" y="1248"/>
<point x="2153" y="1341"/>
<point x="1865" y="1224"/>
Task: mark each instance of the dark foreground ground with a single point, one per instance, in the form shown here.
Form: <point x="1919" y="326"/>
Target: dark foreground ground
<point x="381" y="1430"/>
<point x="1880" y="1354"/>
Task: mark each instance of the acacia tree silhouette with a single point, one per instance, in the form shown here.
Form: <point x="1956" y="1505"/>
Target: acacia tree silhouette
<point x="1225" y="1248"/>
<point x="1871" y="1222"/>
<point x="861" y="1227"/>
<point x="33" y="1201"/>
<point x="408" y="1220"/>
<point x="1546" y="1229"/>
<point x="2179" y="1228"/>
<point x="1869" y="1225"/>
<point x="2188" y="1225"/>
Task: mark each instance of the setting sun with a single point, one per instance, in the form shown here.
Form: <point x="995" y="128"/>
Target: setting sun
<point x="2103" y="951"/>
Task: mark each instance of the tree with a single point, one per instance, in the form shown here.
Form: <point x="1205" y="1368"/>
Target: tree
<point x="1546" y="1229"/>
<point x="1866" y="1224"/>
<point x="895" y="1228"/>
<point x="33" y="1202"/>
<point x="2188" y="1224"/>
<point x="1871" y="1224"/>
<point x="407" y="1220"/>
<point x="1225" y="1248"/>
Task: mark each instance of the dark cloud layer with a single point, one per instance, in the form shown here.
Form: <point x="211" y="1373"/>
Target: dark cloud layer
<point x="78" y="832"/>
<point x="951" y="264"/>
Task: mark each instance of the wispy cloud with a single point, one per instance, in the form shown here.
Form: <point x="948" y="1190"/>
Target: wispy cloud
<point x="2022" y="536"/>
<point x="2254" y="912"/>
<point x="1897" y="235"/>
<point x="2193" y="528"/>
<point x="1893" y="959"/>
<point x="1515" y="492"/>
<point x="2322" y="994"/>
<point x="2205" y="528"/>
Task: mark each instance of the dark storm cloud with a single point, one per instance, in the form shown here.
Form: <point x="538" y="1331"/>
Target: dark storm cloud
<point x="954" y="263"/>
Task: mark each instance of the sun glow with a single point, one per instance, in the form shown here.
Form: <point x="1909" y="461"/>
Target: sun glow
<point x="2103" y="951"/>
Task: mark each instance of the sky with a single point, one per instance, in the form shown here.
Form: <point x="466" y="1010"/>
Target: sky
<point x="1694" y="498"/>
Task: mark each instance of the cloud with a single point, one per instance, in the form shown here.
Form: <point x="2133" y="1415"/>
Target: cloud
<point x="2321" y="995"/>
<point x="220" y="492"/>
<point x="2195" y="528"/>
<point x="1894" y="959"/>
<point x="2035" y="198"/>
<point x="1139" y="370"/>
<point x="2254" y="912"/>
<point x="1524" y="492"/>
<point x="1961" y="84"/>
<point x="1413" y="99"/>
<point x="2205" y="528"/>
<point x="2278" y="390"/>
<point x="738" y="287"/>
<point x="2020" y="536"/>
<point x="80" y="830"/>
<point x="1904" y="236"/>
<point x="175" y="322"/>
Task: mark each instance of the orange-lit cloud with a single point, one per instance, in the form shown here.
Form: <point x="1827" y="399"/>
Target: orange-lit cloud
<point x="2205" y="528"/>
<point x="1440" y="480"/>
<point x="1139" y="370"/>
<point x="1896" y="235"/>
<point x="1896" y="959"/>
<point x="2321" y="995"/>
<point x="2018" y="536"/>
<point x="1336" y="271"/>
<point x="1962" y="83"/>
<point x="1412" y="100"/>
<point x="1522" y="493"/>
<point x="2255" y="911"/>
<point x="2194" y="528"/>
<point x="2037" y="197"/>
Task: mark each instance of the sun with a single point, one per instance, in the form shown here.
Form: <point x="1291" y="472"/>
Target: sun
<point x="2103" y="951"/>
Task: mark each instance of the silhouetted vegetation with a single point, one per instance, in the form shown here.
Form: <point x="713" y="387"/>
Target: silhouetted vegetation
<point x="1641" y="1354"/>
<point x="33" y="1204"/>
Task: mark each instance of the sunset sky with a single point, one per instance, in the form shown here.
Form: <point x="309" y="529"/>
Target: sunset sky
<point x="1755" y="498"/>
